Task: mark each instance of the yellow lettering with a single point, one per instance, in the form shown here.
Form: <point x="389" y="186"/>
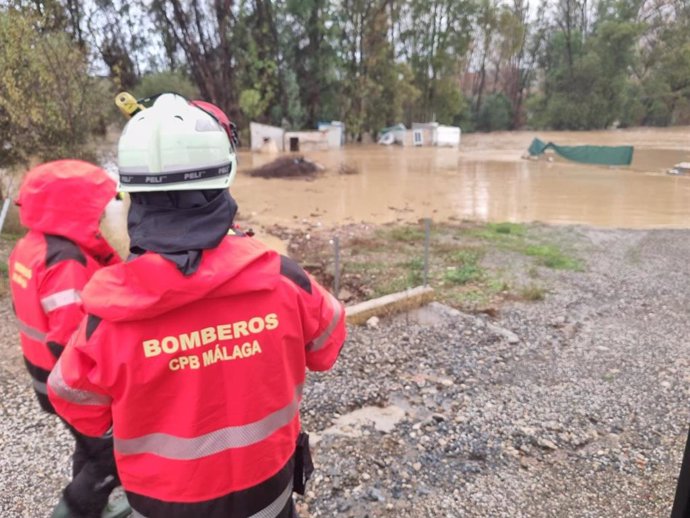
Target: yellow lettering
<point x="271" y="321"/>
<point x="208" y="358"/>
<point x="174" y="364"/>
<point x="208" y="335"/>
<point x="170" y="345"/>
<point x="225" y="332"/>
<point x="23" y="270"/>
<point x="19" y="280"/>
<point x="240" y="329"/>
<point x="151" y="348"/>
<point x="189" y="341"/>
<point x="256" y="325"/>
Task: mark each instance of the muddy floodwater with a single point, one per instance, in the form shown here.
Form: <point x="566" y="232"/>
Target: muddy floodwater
<point x="485" y="179"/>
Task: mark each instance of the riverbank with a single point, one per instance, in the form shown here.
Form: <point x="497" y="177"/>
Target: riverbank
<point x="583" y="412"/>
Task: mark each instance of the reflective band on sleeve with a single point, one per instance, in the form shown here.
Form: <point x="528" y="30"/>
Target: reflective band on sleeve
<point x="321" y="340"/>
<point x="60" y="299"/>
<point x="72" y="395"/>
<point x="31" y="332"/>
<point x="274" y="508"/>
<point x="189" y="448"/>
<point x="40" y="387"/>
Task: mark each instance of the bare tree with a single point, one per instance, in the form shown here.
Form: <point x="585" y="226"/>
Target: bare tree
<point x="201" y="31"/>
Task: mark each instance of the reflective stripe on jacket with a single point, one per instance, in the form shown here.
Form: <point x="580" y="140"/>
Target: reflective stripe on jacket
<point x="48" y="270"/>
<point x="201" y="376"/>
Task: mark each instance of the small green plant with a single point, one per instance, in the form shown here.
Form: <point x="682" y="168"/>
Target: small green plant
<point x="393" y="285"/>
<point x="515" y="229"/>
<point x="505" y="235"/>
<point x="552" y="257"/>
<point x="497" y="285"/>
<point x="415" y="268"/>
<point x="467" y="269"/>
<point x="462" y="274"/>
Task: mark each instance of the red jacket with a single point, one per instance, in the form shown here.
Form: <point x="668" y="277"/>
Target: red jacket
<point x="199" y="376"/>
<point x="61" y="204"/>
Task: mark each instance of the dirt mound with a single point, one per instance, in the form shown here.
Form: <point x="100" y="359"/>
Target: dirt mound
<point x="288" y="167"/>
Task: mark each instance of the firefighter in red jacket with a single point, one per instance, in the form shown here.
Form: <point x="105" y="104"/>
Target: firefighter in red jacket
<point x="194" y="351"/>
<point x="61" y="203"/>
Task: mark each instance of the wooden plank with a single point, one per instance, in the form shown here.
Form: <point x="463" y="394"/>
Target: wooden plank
<point x="389" y="304"/>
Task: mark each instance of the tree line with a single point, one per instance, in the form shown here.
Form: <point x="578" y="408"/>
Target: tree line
<point x="481" y="64"/>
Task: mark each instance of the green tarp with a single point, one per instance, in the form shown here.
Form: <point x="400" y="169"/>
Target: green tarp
<point x="604" y="155"/>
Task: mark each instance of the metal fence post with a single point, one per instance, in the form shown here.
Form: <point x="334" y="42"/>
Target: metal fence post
<point x="336" y="273"/>
<point x="427" y="239"/>
<point x="3" y="213"/>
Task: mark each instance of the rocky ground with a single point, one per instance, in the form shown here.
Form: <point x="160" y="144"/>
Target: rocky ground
<point x="574" y="406"/>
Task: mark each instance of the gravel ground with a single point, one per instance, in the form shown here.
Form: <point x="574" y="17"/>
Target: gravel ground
<point x="583" y="415"/>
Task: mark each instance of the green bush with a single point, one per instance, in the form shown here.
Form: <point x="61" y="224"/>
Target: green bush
<point x="495" y="114"/>
<point x="251" y="103"/>
<point x="49" y="104"/>
<point x="633" y="109"/>
<point x="168" y="81"/>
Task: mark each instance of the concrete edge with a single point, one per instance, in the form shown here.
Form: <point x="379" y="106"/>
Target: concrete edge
<point x="406" y="300"/>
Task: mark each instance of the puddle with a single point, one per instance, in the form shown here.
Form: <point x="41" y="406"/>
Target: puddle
<point x="384" y="419"/>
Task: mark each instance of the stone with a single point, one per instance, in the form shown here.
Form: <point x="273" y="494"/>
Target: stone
<point x="546" y="444"/>
<point x="373" y="322"/>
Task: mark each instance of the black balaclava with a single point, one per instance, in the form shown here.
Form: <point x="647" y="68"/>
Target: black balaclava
<point x="179" y="225"/>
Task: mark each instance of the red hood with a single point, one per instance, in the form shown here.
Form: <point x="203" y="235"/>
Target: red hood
<point x="67" y="198"/>
<point x="151" y="285"/>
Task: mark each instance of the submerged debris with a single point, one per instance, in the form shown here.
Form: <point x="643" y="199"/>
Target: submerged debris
<point x="344" y="168"/>
<point x="680" y="169"/>
<point x="288" y="167"/>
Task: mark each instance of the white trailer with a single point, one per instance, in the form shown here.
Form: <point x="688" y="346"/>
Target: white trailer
<point x="448" y="136"/>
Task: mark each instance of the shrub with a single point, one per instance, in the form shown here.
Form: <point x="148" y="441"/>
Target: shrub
<point x="50" y="104"/>
<point x="167" y="81"/>
<point x="495" y="114"/>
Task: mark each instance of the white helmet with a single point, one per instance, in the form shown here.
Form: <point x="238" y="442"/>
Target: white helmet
<point x="174" y="146"/>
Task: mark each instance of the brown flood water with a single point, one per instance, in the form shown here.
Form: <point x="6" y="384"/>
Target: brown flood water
<point x="486" y="179"/>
